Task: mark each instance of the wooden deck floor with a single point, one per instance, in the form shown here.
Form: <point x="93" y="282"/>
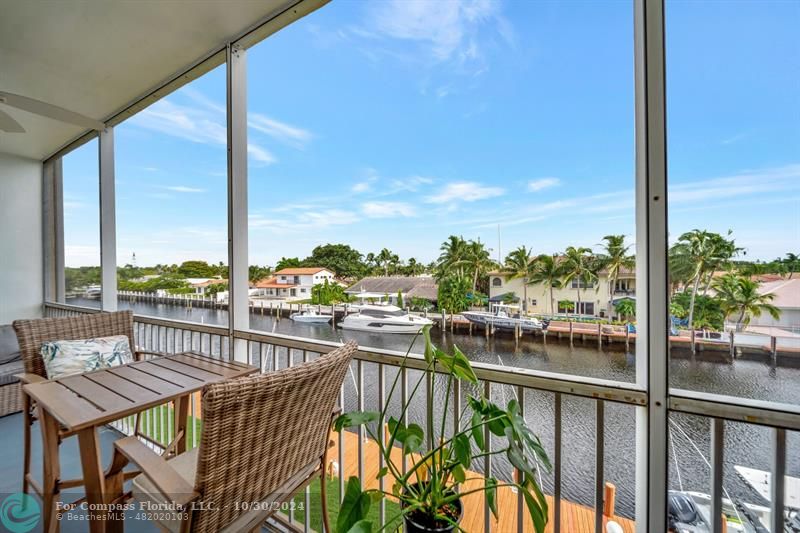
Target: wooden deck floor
<point x="575" y="518"/>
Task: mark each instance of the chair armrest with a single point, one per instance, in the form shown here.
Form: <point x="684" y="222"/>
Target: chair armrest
<point x="27" y="378"/>
<point x="138" y="355"/>
<point x="161" y="473"/>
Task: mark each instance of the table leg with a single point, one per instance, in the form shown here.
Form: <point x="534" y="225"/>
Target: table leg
<point x="181" y="413"/>
<point x="93" y="478"/>
<point x="51" y="470"/>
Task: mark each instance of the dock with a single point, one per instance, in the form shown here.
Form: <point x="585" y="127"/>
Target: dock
<point x="575" y="518"/>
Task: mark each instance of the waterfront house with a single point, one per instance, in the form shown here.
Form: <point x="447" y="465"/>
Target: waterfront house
<point x="388" y="287"/>
<point x="293" y="283"/>
<point x="597" y="298"/>
<point x="786" y="298"/>
<point x="201" y="285"/>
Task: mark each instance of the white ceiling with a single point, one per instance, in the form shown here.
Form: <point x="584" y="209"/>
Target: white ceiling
<point x="96" y="56"/>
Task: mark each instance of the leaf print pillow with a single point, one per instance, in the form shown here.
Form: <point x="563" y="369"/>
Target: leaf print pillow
<point x="65" y="358"/>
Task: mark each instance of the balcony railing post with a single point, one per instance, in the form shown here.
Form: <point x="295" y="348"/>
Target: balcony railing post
<point x="238" y="307"/>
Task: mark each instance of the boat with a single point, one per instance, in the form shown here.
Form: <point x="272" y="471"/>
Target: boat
<point x="310" y="316"/>
<point x="761" y="482"/>
<point x="690" y="512"/>
<point x="505" y="317"/>
<point x="383" y="318"/>
<point x="93" y="292"/>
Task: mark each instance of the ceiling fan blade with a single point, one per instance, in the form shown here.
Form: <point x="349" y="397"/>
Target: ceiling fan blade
<point x="49" y="110"/>
<point x="9" y="125"/>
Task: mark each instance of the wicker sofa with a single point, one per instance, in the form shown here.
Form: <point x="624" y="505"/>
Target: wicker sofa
<point x="10" y="365"/>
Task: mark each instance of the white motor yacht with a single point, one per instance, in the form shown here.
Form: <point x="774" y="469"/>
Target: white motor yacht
<point x="383" y="319"/>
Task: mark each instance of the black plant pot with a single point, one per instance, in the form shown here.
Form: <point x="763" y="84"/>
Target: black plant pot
<point x="414" y="525"/>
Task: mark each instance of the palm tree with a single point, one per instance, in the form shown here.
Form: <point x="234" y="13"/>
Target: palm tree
<point x="548" y="271"/>
<point x="616" y="259"/>
<point x="477" y="261"/>
<point x="739" y="295"/>
<point x="520" y="265"/>
<point x="696" y="255"/>
<point x="454" y="252"/>
<point x="414" y="267"/>
<point x="385" y="258"/>
<point x="625" y="308"/>
<point x="580" y="265"/>
<point x="792" y="263"/>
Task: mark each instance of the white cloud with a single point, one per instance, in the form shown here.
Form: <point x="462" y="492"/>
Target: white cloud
<point x="543" y="183"/>
<point x="410" y="184"/>
<point x="371" y="176"/>
<point x="280" y="131"/>
<point x="445" y="29"/>
<point x="303" y="221"/>
<point x="183" y="188"/>
<point x="388" y="209"/>
<point x="204" y="126"/>
<point x="466" y="191"/>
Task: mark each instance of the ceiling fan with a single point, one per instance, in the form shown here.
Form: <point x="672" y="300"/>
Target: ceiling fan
<point x="9" y="125"/>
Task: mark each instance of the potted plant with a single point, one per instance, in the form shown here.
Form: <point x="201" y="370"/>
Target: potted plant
<point x="440" y="460"/>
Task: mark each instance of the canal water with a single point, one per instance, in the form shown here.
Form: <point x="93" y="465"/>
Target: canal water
<point x="745" y="445"/>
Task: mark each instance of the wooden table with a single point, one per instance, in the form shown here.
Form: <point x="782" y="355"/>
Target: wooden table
<point x="82" y="403"/>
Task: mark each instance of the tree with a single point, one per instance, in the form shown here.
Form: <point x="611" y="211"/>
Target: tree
<point x="696" y="255"/>
<point x="414" y="268"/>
<point x="400" y="299"/>
<point x="739" y="296"/>
<point x="196" y="269"/>
<point x="453" y="293"/>
<point x="477" y="261"/>
<point x="615" y="259"/>
<point x="341" y="259"/>
<point x="708" y="312"/>
<point x="549" y="271"/>
<point x="328" y="293"/>
<point x="384" y="259"/>
<point x="567" y="305"/>
<point x="520" y="265"/>
<point x="580" y="265"/>
<point x="287" y="262"/>
<point x="257" y="273"/>
<point x="625" y="308"/>
<point x="792" y="263"/>
<point x="451" y="260"/>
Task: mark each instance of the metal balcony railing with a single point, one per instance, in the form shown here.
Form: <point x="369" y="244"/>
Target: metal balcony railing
<point x="274" y="351"/>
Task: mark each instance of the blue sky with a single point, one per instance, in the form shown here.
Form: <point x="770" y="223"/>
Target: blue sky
<point x="397" y="123"/>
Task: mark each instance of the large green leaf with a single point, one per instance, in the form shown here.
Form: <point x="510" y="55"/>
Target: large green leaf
<point x="355" y="506"/>
<point x="459" y="474"/>
<point x="412" y="437"/>
<point x="357" y="418"/>
<point x="491" y="494"/>
<point x="477" y="431"/>
<point x="538" y="515"/>
<point x="362" y="526"/>
<point x="462" y="449"/>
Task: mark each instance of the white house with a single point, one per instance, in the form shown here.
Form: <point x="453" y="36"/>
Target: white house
<point x="294" y="283"/>
<point x="786" y="293"/>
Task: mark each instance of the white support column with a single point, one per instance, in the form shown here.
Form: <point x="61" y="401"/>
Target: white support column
<point x="108" y="222"/>
<point x="238" y="303"/>
<point x="652" y="362"/>
<point x="53" y="230"/>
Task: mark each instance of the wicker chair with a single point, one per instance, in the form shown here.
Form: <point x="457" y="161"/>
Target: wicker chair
<point x="264" y="438"/>
<point x="31" y="334"/>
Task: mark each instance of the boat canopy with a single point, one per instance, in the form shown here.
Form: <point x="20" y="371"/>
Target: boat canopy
<point x="505" y="297"/>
